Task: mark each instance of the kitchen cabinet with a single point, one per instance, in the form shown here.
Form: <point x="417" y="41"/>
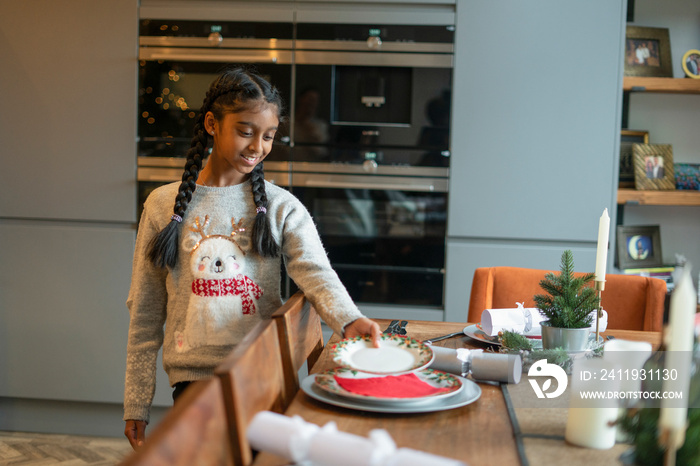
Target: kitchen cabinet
<point x="67" y="223"/>
<point x="536" y="118"/>
<point x="69" y="106"/>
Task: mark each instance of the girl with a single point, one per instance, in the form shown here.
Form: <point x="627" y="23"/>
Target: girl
<point x="207" y="269"/>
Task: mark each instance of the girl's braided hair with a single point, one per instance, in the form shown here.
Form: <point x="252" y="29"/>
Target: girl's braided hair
<point x="235" y="90"/>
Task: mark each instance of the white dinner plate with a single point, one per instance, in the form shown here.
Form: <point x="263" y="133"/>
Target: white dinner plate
<point x="469" y="394"/>
<point x="396" y="354"/>
<point x="438" y="379"/>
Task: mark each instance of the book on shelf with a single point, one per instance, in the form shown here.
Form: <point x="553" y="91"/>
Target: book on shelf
<point x="665" y="273"/>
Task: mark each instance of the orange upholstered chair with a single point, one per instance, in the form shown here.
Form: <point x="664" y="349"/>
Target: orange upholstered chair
<point x="632" y="302"/>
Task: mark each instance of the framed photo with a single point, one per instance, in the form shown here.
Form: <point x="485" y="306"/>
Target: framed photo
<point x="638" y="246"/>
<point x="627" y="138"/>
<point x="648" y="52"/>
<point x="691" y="64"/>
<point x="653" y="167"/>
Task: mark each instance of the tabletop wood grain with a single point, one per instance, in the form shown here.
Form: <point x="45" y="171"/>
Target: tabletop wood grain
<point x="480" y="433"/>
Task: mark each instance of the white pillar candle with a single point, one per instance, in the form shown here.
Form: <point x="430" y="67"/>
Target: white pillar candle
<point x="627" y="356"/>
<point x="679" y="345"/>
<point x="602" y="251"/>
<point x="590" y="420"/>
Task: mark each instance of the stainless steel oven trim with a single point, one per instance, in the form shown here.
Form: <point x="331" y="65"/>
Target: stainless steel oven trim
<point x="282" y="57"/>
<point x="179" y="163"/>
<point x="203" y="42"/>
<point x="386" y="170"/>
<point x="354" y="45"/>
<point x="416" y="60"/>
<point x="166" y="162"/>
<point x="168" y="175"/>
<point x="373" y="182"/>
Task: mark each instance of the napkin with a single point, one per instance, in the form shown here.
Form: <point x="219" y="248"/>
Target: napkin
<point x="390" y="386"/>
<point x="495" y="367"/>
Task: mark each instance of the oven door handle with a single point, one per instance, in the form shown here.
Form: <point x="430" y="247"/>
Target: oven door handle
<point x="199" y="55"/>
<point x="350" y="185"/>
<point x="212" y="58"/>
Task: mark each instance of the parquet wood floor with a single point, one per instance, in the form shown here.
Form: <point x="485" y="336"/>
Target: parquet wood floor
<point x="20" y="448"/>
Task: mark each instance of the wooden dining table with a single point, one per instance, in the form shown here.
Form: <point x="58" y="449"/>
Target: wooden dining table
<point x="485" y="432"/>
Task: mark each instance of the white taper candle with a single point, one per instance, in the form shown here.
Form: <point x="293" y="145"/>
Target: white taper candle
<point x="679" y="345"/>
<point x="602" y="251"/>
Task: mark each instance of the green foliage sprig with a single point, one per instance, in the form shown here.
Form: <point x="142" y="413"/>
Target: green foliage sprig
<point x="515" y="343"/>
<point x="569" y="301"/>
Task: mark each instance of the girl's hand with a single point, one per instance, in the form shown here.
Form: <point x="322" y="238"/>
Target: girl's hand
<point x="135" y="431"/>
<point x="364" y="326"/>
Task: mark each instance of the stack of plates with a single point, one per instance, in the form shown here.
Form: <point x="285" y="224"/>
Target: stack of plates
<point x="397" y="355"/>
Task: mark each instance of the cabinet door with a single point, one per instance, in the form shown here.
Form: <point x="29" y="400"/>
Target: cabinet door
<point x="68" y="122"/>
<point x="64" y="321"/>
<point x="536" y="118"/>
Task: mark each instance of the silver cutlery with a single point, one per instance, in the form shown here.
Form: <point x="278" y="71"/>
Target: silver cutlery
<point x="444" y="337"/>
<point x="402" y="327"/>
<point x="392" y="328"/>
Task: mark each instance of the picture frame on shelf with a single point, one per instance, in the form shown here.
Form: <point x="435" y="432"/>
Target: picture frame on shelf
<point x="627" y="138"/>
<point x="691" y="63"/>
<point x="648" y="52"/>
<point x="653" y="167"/>
<point x="638" y="246"/>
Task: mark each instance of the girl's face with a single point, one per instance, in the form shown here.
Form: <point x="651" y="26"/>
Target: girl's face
<point x="242" y="140"/>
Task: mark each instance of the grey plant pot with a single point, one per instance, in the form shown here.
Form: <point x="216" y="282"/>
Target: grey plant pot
<point x="570" y="339"/>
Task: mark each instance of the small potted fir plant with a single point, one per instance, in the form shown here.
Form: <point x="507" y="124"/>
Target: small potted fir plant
<point x="567" y="307"/>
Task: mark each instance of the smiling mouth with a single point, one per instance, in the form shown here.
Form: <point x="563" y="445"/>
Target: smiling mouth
<point x="249" y="158"/>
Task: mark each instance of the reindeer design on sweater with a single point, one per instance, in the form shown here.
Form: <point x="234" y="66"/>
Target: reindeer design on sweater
<point x="221" y="294"/>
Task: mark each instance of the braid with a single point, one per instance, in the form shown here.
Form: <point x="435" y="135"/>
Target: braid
<point x="230" y="92"/>
<point x="263" y="241"/>
<point x="164" y="246"/>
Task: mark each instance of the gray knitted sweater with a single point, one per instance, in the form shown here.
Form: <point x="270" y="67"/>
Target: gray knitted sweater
<point x="220" y="288"/>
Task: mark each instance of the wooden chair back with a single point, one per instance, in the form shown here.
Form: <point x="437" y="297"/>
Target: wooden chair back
<point x="632" y="302"/>
<point x="301" y="339"/>
<point x="194" y="431"/>
<point x="252" y="381"/>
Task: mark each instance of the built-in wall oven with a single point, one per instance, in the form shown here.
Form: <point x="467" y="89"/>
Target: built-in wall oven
<point x="366" y="145"/>
<point x="178" y="60"/>
<point x="370" y="154"/>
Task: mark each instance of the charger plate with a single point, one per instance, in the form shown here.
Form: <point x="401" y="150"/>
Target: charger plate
<point x="438" y="379"/>
<point x="469" y="394"/>
<point x="475" y="332"/>
<point x="396" y="354"/>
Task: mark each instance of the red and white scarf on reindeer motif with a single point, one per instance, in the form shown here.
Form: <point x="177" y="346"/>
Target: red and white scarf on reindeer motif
<point x="239" y="285"/>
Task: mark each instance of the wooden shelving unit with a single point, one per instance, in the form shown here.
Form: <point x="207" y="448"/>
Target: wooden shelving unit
<point x="661" y="85"/>
<point x="635" y="197"/>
